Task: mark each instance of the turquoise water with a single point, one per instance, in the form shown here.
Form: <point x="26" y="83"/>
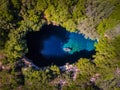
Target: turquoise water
<point x="77" y="42"/>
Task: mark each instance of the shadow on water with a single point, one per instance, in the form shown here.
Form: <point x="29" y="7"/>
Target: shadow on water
<point x="35" y="45"/>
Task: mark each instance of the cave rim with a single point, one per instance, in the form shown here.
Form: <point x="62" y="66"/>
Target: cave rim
<point x="52" y="63"/>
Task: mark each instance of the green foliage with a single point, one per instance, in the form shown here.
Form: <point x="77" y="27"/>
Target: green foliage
<point x="54" y="71"/>
<point x="109" y="22"/>
<point x="72" y="86"/>
<point x="3" y="38"/>
<point x="78" y="11"/>
<point x="41" y="6"/>
<point x="105" y="48"/>
<point x="15" y="46"/>
<point x="87" y="69"/>
<point x="107" y="61"/>
<point x="33" y="17"/>
<point x="5" y="12"/>
<point x="116" y="44"/>
<point x="5" y="18"/>
<point x="17" y="4"/>
<point x="67" y="15"/>
<point x="99" y="17"/>
<point x="70" y="25"/>
<point x="9" y="81"/>
<point x="83" y="64"/>
<point x="36" y="80"/>
<point x="107" y="53"/>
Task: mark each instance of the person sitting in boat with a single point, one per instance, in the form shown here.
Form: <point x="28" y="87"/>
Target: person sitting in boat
<point x="67" y="49"/>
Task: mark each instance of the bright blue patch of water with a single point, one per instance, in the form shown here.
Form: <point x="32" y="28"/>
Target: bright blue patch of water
<point x="77" y="42"/>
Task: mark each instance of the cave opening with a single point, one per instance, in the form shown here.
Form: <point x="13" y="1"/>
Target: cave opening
<point x="55" y="45"/>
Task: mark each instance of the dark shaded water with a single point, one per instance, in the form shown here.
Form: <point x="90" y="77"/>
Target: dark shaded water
<point x="46" y="47"/>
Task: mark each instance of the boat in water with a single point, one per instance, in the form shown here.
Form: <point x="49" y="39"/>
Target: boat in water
<point x="67" y="49"/>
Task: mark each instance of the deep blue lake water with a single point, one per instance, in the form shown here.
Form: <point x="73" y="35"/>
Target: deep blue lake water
<point x="55" y="45"/>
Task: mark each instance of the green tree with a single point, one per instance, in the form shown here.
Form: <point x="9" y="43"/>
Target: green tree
<point x="36" y="80"/>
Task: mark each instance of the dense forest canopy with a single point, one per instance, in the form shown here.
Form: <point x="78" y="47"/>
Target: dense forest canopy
<point x="96" y="19"/>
